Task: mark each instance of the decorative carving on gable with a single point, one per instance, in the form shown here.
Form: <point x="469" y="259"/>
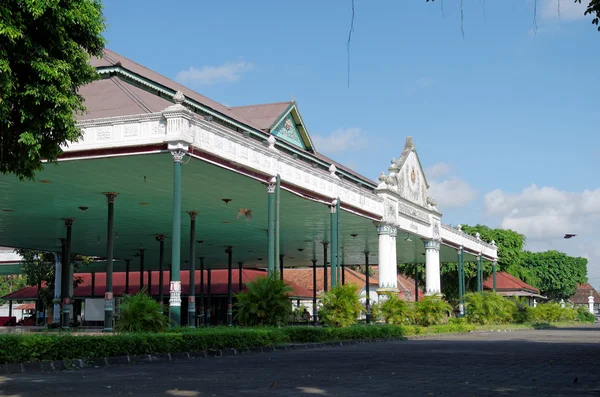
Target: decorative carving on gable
<point x="287" y="130"/>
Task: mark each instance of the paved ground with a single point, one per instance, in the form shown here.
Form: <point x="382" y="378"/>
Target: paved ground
<point x="525" y="363"/>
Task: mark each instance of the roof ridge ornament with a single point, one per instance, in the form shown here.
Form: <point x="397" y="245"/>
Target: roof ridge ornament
<point x="333" y="170"/>
<point x="271" y="142"/>
<point x="409" y="145"/>
<point x="179" y="98"/>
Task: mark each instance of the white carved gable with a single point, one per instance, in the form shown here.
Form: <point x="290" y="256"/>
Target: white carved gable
<point x="406" y="178"/>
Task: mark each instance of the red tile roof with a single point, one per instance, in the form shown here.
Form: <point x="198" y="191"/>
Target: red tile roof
<point x="507" y="282"/>
<point x="262" y="115"/>
<point x="304" y="278"/>
<point x="406" y="285"/>
<point x="583" y="292"/>
<point x="218" y="284"/>
<point x="111" y="58"/>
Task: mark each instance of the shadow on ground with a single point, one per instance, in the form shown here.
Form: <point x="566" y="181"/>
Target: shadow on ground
<point x="551" y="362"/>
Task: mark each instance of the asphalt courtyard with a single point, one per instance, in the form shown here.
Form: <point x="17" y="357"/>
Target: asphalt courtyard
<point x="558" y="362"/>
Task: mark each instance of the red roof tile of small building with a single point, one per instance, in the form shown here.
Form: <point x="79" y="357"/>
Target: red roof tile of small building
<point x="507" y="282"/>
<point x="584" y="290"/>
<point x="218" y="284"/>
<point x="304" y="278"/>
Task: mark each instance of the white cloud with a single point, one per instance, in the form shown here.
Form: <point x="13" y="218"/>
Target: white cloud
<point x="229" y="72"/>
<point x="449" y="191"/>
<point x="452" y="193"/>
<point x="569" y="10"/>
<point x="437" y="171"/>
<point x="340" y="140"/>
<point x="545" y="214"/>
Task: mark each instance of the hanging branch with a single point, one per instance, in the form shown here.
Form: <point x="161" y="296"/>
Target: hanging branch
<point x="534" y="18"/>
<point x="462" y="18"/>
<point x="348" y="43"/>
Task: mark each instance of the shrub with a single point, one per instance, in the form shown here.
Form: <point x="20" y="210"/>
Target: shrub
<point x="341" y="306"/>
<point x="141" y="313"/>
<point x="431" y="310"/>
<point x="265" y="302"/>
<point x="489" y="308"/>
<point x="584" y="315"/>
<point x="550" y="313"/>
<point x="394" y="310"/>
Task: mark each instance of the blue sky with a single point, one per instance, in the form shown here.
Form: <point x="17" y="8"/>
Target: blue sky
<point x="504" y="120"/>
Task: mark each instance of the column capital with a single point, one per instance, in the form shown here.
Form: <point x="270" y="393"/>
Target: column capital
<point x="385" y="229"/>
<point x="494" y="262"/>
<point x="193" y="214"/>
<point x="69" y="221"/>
<point x="432" y="244"/>
<point x="160" y="237"/>
<point x="459" y="249"/>
<point x="271" y="185"/>
<point x="178" y="155"/>
<point x="110" y="196"/>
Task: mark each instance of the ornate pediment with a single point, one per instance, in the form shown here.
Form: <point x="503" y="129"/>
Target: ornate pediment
<point x="407" y="179"/>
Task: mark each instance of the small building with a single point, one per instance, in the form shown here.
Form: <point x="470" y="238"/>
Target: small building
<point x="510" y="286"/>
<point x="581" y="297"/>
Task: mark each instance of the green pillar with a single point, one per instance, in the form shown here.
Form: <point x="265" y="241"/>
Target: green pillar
<point x="334" y="241"/>
<point x="208" y="309"/>
<point x="494" y="274"/>
<point x="461" y="278"/>
<point x="175" y="284"/>
<point x="192" y="286"/>
<point x="325" y="245"/>
<point x="277" y="201"/>
<point x="67" y="283"/>
<point x="141" y="252"/>
<point x="201" y="313"/>
<point x="108" y="295"/>
<point x="479" y="275"/>
<point x="240" y="274"/>
<point x="338" y="246"/>
<point x="161" y="263"/>
<point x="229" y="252"/>
<point x="127" y="262"/>
<point x="315" y="309"/>
<point x="271" y="228"/>
<point x="367" y="289"/>
<point x="281" y="267"/>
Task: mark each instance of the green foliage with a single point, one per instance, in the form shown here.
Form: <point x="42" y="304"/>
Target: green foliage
<point x="10" y="284"/>
<point x="489" y="308"/>
<point x="341" y="306"/>
<point x="141" y="313"/>
<point x="431" y="311"/>
<point x="510" y="243"/>
<point x="265" y="302"/>
<point x="394" y="310"/>
<point x="550" y="313"/>
<point x="584" y="315"/>
<point x="51" y="346"/>
<point x="558" y="273"/>
<point x="44" y="59"/>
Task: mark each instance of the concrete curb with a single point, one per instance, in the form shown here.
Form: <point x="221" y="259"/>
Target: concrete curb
<point x="75" y="364"/>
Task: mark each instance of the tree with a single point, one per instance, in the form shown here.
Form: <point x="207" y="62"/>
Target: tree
<point x="557" y="272"/>
<point x="10" y="284"/>
<point x="45" y="48"/>
<point x="266" y="302"/>
<point x="510" y="247"/>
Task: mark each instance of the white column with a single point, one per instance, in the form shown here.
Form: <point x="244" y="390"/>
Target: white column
<point x="388" y="266"/>
<point x="432" y="267"/>
<point x="57" y="288"/>
<point x="591" y="304"/>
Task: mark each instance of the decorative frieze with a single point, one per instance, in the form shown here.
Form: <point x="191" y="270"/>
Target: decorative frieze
<point x="406" y="209"/>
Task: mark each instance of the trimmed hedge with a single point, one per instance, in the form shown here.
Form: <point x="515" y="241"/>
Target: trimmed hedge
<point x="50" y="347"/>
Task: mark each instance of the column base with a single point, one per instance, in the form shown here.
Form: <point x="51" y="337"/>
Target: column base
<point x="434" y="294"/>
<point x="382" y="293"/>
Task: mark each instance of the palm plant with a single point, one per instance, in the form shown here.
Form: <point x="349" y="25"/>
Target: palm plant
<point x="394" y="310"/>
<point x="341" y="306"/>
<point x="141" y="313"/>
<point x="432" y="310"/>
<point x="265" y="302"/>
<point x="489" y="308"/>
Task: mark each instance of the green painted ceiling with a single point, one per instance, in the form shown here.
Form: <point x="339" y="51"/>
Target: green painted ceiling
<point x="32" y="213"/>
